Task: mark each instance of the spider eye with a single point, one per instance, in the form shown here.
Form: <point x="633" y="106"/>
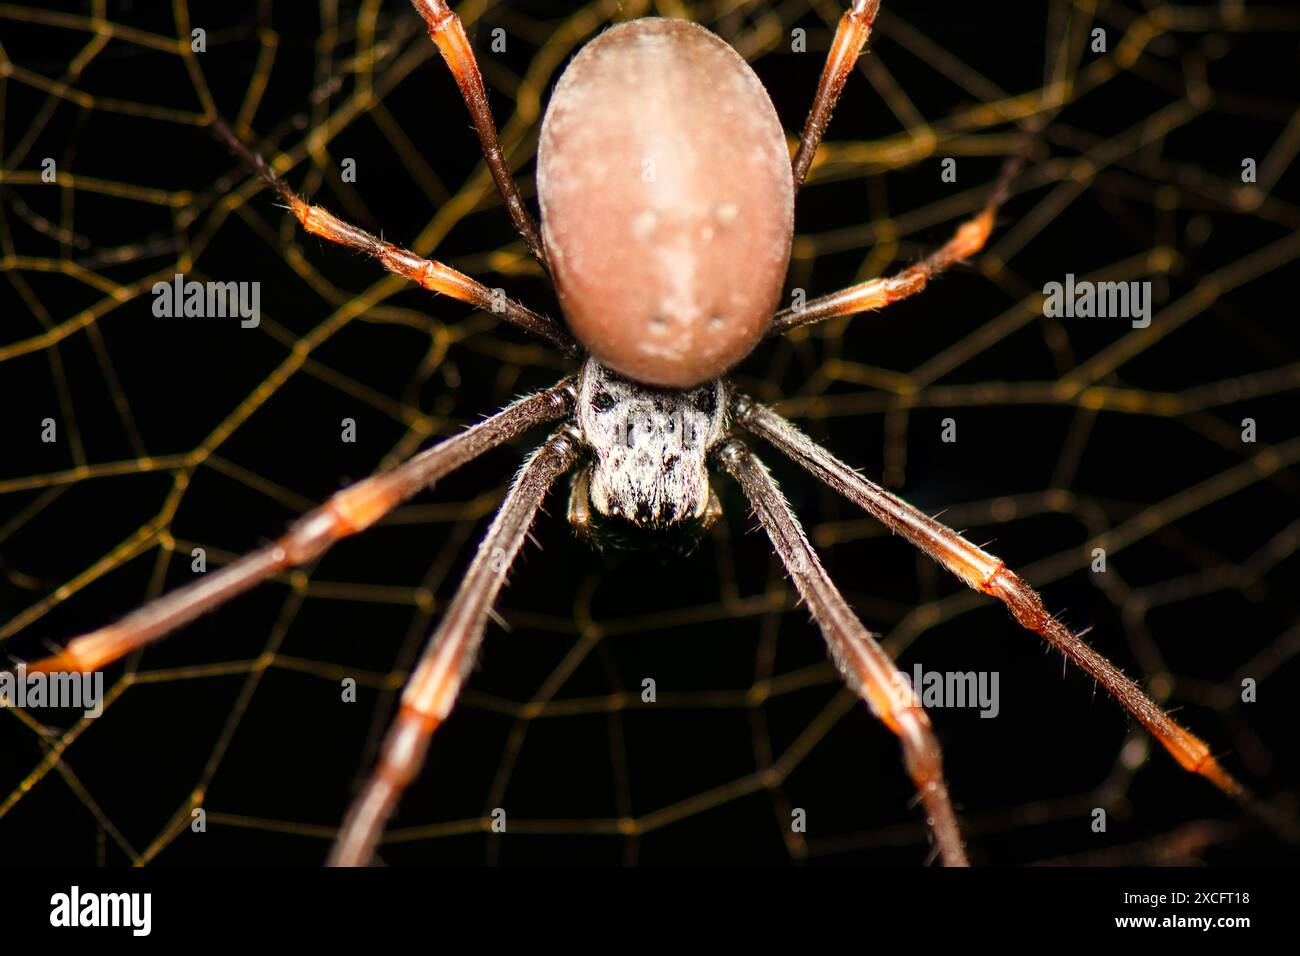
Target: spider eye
<point x="706" y="400"/>
<point x="603" y="402"/>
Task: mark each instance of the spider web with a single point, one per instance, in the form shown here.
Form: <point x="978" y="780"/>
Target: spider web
<point x="176" y="434"/>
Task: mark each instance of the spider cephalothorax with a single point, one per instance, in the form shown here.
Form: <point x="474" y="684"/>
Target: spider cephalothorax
<point x="642" y="453"/>
<point x="649" y="455"/>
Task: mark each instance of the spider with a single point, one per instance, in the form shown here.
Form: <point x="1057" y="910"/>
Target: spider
<point x="666" y="227"/>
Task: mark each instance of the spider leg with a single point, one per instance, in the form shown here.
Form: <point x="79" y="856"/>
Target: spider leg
<point x="968" y="240"/>
<point x="861" y="661"/>
<point x="427" y="273"/>
<point x="984" y="572"/>
<point x="349" y="511"/>
<point x="431" y="691"/>
<point x="446" y="30"/>
<point x="850" y="39"/>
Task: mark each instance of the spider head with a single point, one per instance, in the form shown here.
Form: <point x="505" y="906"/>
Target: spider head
<point x="649" y="447"/>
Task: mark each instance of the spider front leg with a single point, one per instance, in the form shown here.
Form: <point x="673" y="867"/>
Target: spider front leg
<point x="984" y="572"/>
<point x="860" y="659"/>
<point x="431" y="691"/>
<point x="349" y="511"/>
<point x="446" y="30"/>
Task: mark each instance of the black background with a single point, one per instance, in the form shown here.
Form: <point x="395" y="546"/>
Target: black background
<point x="1026" y="782"/>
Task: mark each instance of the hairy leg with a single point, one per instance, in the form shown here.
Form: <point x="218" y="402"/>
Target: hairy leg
<point x="969" y="239"/>
<point x="984" y="572"/>
<point x="861" y="661"/>
<point x="431" y="691"/>
<point x="426" y="273"/>
<point x="446" y="30"/>
<point x="850" y="39"/>
<point x="351" y="510"/>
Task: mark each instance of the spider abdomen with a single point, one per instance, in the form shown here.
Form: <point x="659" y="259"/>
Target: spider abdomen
<point x="667" y="202"/>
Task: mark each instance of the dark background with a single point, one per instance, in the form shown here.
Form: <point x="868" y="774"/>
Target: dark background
<point x="1223" y="605"/>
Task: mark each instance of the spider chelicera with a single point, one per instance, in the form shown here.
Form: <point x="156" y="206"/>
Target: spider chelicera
<point x="667" y="197"/>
